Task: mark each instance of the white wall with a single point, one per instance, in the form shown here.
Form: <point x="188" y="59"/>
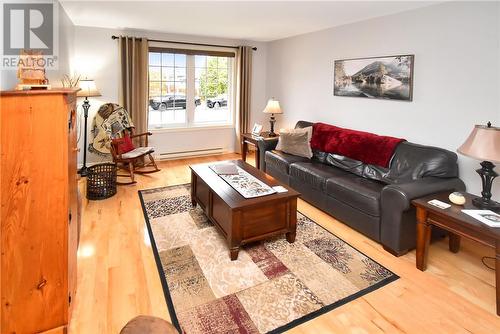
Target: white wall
<point x="456" y="77"/>
<point x="456" y="47"/>
<point x="8" y="78"/>
<point x="96" y="56"/>
<point x="66" y="48"/>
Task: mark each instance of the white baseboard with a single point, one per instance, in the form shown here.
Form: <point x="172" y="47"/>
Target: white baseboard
<point x="173" y="155"/>
<point x="191" y="153"/>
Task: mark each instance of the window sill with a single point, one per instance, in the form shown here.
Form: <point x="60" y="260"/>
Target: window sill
<point x="200" y="127"/>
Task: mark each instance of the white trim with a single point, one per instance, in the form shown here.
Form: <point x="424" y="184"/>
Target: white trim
<point x="190" y="90"/>
<point x="192" y="128"/>
<point x="193" y="153"/>
<point x="190" y="77"/>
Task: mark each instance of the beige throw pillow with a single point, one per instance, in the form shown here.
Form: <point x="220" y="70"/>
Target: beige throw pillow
<point x="296" y="142"/>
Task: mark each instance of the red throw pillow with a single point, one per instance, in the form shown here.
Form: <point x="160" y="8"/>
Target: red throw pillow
<point x="123" y="145"/>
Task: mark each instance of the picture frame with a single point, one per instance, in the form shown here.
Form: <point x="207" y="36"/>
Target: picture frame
<point x="256" y="130"/>
<point x="383" y="77"/>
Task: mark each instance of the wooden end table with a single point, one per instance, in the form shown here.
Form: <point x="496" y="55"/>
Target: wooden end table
<point x="458" y="224"/>
<point x="249" y="138"/>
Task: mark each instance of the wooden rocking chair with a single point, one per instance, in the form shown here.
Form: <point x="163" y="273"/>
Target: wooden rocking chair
<point x="130" y="158"/>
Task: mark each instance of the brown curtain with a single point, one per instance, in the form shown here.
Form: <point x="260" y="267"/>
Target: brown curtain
<point x="244" y="81"/>
<point x="134" y="80"/>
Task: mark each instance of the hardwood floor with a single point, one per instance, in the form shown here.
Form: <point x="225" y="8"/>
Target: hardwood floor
<point x="118" y="279"/>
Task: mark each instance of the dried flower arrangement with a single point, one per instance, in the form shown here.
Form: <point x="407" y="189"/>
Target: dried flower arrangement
<point x="70" y="81"/>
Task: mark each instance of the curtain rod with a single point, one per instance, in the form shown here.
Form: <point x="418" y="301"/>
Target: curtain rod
<point x="189" y="43"/>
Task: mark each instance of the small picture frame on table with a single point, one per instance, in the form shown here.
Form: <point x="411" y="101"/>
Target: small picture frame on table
<point x="257" y="128"/>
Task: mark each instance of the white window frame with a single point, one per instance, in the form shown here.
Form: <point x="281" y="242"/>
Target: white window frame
<point x="190" y="90"/>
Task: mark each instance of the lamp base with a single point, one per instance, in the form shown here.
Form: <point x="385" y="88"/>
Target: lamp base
<point x="487" y="174"/>
<point x="486" y="204"/>
<point x="272" y="120"/>
<point x="86" y="105"/>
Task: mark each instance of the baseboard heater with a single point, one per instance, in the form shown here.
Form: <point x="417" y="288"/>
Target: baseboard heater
<point x="182" y="154"/>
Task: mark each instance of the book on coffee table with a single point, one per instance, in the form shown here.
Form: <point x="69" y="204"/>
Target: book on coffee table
<point x="225" y="169"/>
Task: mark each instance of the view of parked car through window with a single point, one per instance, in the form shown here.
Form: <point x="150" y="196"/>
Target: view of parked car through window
<point x="189" y="90"/>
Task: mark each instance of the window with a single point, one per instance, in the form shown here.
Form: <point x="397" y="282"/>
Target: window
<point x="189" y="89"/>
<point x="167" y="89"/>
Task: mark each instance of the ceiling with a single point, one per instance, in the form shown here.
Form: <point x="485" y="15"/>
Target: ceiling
<point x="244" y="20"/>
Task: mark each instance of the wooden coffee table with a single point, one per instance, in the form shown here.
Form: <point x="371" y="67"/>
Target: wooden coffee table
<point x="242" y="220"/>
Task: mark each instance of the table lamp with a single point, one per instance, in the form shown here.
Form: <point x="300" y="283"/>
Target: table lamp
<point x="87" y="89"/>
<point x="484" y="144"/>
<point x="272" y="107"/>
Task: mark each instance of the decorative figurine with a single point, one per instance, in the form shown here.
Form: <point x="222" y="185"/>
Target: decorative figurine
<point x="31" y="71"/>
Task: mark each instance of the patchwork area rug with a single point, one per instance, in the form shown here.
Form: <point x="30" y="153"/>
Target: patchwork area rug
<point x="272" y="287"/>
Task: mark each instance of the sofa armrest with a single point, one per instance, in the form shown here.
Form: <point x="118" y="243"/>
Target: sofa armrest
<point x="265" y="145"/>
<point x="398" y="223"/>
<point x="399" y="196"/>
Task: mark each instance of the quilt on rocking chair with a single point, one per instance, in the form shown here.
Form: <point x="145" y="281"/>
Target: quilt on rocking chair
<point x="109" y="122"/>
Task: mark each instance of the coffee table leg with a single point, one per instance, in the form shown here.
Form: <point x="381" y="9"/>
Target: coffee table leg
<point x="193" y="188"/>
<point x="454" y="243"/>
<point x="423" y="238"/>
<point x="234" y="253"/>
<point x="292" y="220"/>
<point x="244" y="148"/>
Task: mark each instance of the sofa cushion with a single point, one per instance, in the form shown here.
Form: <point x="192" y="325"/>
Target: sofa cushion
<point x="412" y="161"/>
<point x="360" y="193"/>
<point x="314" y="174"/>
<point x="303" y="124"/>
<point x="281" y="161"/>
<point x="137" y="152"/>
<point x="358" y="167"/>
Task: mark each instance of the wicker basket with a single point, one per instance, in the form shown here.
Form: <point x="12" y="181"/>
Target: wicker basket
<point x="101" y="181"/>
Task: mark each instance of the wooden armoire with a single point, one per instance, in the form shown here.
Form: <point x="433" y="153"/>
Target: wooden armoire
<point x="39" y="213"/>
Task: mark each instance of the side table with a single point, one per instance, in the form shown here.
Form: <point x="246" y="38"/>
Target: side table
<point x="458" y="224"/>
<point x="250" y="138"/>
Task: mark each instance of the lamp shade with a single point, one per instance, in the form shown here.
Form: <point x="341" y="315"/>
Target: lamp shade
<point x="482" y="144"/>
<point x="273" y="107"/>
<point x="88" y="88"/>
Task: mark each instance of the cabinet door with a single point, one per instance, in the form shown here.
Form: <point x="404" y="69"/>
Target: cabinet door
<point x="73" y="214"/>
<point x="34" y="213"/>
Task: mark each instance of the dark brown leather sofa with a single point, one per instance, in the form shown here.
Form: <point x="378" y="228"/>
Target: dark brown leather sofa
<point x="371" y="199"/>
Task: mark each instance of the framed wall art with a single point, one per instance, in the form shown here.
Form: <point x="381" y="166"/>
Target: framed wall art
<point x="388" y="77"/>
